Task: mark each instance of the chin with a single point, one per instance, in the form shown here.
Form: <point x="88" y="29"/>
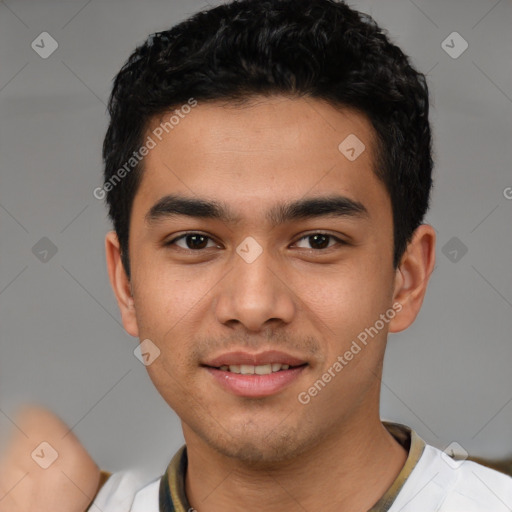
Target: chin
<point x="256" y="454"/>
<point x="263" y="449"/>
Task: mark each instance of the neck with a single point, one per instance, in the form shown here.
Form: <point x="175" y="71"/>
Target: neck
<point x="348" y="471"/>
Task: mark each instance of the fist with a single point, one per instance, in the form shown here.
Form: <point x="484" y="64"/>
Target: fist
<point x="44" y="467"/>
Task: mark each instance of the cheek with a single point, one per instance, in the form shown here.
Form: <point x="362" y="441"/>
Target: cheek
<point x="169" y="309"/>
<point x="163" y="298"/>
<point x="345" y="300"/>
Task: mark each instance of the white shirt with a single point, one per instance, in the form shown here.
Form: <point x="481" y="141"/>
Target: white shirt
<point x="430" y="481"/>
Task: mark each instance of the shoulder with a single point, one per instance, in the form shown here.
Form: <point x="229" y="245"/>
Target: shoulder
<point x="441" y="483"/>
<point x="128" y="491"/>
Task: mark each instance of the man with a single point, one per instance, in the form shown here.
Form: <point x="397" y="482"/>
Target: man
<point x="267" y="170"/>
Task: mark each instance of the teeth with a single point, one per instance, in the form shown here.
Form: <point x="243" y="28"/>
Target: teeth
<point x="246" y="369"/>
<point x="264" y="369"/>
<point x="249" y="369"/>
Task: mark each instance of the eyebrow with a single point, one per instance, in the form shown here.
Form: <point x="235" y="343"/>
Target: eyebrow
<point x="307" y="208"/>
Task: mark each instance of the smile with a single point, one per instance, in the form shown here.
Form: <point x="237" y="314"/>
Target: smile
<point x="255" y="381"/>
<point x="249" y="369"/>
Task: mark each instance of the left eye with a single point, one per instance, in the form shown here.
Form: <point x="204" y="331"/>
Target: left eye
<point x="320" y="240"/>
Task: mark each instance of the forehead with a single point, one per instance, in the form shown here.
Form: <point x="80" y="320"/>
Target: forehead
<point x="270" y="148"/>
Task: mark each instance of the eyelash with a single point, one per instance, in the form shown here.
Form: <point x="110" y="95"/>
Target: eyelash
<point x="191" y="233"/>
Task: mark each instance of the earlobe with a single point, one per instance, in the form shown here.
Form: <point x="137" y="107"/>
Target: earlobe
<point x="120" y="283"/>
<point x="411" y="278"/>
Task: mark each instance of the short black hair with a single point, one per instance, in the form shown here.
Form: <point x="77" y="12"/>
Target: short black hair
<point x="321" y="49"/>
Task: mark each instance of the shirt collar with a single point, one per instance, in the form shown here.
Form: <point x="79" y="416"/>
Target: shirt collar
<point x="407" y="437"/>
<point x="414" y="445"/>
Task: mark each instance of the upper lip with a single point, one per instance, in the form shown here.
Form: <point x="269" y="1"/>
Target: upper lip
<point x="267" y="357"/>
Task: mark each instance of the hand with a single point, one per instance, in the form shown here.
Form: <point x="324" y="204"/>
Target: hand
<point x="68" y="484"/>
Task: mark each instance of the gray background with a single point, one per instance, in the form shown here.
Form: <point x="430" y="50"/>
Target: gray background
<point x="62" y="344"/>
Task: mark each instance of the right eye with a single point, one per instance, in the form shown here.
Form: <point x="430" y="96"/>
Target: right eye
<point x="193" y="241"/>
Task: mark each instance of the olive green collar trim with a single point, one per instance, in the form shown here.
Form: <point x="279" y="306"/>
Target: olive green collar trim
<point x="414" y="445"/>
<point x="174" y="499"/>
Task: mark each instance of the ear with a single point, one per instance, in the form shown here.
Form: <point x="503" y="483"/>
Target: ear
<point x="412" y="277"/>
<point x="120" y="284"/>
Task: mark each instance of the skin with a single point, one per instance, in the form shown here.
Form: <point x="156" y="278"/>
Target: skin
<point x="67" y="485"/>
<point x="271" y="453"/>
<point x="268" y="451"/>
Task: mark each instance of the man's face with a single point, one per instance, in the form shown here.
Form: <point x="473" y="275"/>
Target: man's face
<point x="253" y="285"/>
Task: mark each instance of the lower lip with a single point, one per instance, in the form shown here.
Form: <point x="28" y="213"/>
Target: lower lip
<point x="255" y="386"/>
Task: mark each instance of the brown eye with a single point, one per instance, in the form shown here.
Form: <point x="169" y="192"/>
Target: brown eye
<point x="192" y="241"/>
<point x="319" y="241"/>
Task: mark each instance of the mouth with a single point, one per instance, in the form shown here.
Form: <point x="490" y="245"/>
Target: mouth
<point x="255" y="375"/>
<point x="249" y="369"/>
<point x="266" y="361"/>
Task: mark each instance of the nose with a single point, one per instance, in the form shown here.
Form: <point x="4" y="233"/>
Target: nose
<point x="255" y="294"/>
